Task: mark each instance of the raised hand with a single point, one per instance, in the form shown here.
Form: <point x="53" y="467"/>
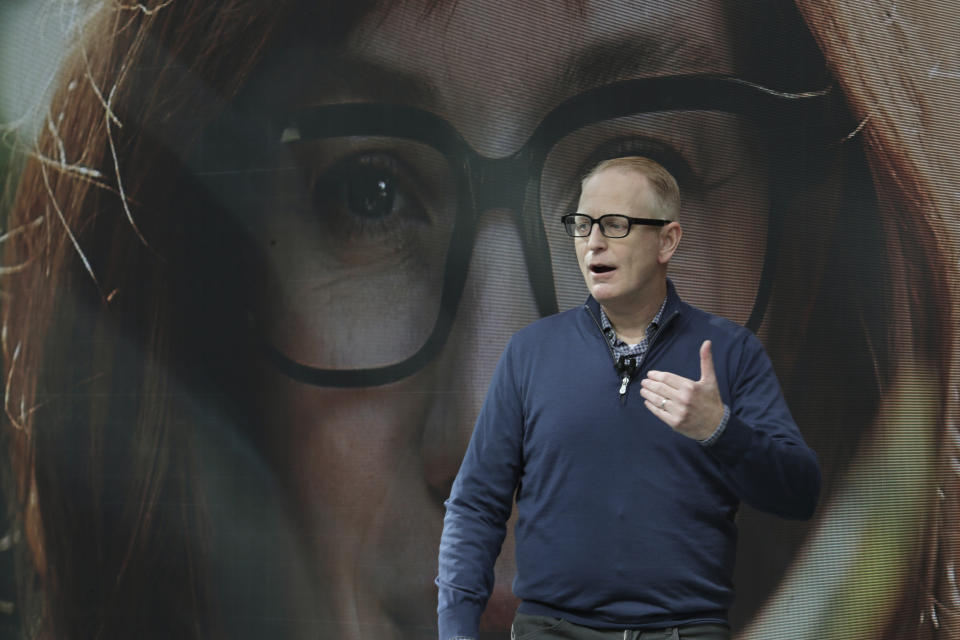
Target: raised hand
<point x="690" y="407"/>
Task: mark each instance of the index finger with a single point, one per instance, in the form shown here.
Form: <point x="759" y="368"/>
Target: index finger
<point x="667" y="378"/>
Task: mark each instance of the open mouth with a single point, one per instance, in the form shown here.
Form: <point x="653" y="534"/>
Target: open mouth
<point x="601" y="268"/>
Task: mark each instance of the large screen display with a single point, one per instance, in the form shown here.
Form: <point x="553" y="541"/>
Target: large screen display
<point x="259" y="260"/>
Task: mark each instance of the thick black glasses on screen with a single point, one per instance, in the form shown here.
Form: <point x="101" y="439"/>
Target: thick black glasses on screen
<point x="378" y="206"/>
<point x="612" y="225"/>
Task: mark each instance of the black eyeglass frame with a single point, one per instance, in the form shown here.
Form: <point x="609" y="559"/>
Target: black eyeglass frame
<point x="568" y="218"/>
<point x="813" y="118"/>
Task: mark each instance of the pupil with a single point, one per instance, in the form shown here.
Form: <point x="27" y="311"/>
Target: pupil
<point x="370" y="194"/>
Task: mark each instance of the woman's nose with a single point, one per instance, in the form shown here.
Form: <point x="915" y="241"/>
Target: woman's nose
<point x="497" y="301"/>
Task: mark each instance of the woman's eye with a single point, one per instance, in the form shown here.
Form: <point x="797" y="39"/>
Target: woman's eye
<point x="364" y="201"/>
<point x="367" y="193"/>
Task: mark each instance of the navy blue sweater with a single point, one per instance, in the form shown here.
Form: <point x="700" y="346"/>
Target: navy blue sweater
<point x="622" y="522"/>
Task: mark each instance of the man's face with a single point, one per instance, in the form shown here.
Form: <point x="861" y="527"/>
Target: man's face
<point x="622" y="273"/>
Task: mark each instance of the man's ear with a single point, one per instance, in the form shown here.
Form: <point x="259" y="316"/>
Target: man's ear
<point x="670" y="236"/>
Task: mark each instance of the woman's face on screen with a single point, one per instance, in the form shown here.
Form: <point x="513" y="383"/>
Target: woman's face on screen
<point x="364" y="226"/>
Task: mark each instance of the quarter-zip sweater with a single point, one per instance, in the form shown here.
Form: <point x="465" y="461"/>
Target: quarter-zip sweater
<point x="622" y="521"/>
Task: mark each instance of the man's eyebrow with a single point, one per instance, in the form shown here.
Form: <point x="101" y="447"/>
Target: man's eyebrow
<point x="630" y="56"/>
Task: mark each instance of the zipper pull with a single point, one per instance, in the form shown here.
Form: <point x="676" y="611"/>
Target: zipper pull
<point x="623" y="385"/>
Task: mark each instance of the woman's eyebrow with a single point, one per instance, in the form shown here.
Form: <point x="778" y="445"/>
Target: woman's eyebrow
<point x="348" y="78"/>
<point x="634" y="55"/>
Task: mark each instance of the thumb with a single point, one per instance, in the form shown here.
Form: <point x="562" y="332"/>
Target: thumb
<point x="707" y="373"/>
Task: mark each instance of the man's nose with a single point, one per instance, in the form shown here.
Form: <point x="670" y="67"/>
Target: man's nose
<point x="596" y="239"/>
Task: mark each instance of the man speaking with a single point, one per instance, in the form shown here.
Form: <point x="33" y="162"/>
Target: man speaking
<point x="629" y="430"/>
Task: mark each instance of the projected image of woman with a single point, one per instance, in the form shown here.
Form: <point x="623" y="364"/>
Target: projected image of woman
<point x="267" y="255"/>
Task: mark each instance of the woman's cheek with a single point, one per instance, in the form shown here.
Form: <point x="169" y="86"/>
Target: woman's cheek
<point x="719" y="264"/>
<point x="353" y="464"/>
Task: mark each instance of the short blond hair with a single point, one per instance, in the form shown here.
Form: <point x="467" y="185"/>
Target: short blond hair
<point x="664" y="185"/>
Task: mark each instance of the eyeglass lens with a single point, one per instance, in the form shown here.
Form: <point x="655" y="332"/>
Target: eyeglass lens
<point x="357" y="229"/>
<point x="721" y="161"/>
<point x="611" y="225"/>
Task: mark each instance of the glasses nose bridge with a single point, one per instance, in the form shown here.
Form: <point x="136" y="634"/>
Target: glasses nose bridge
<point x="597" y="233"/>
<point x="512" y="183"/>
<point x="499" y="183"/>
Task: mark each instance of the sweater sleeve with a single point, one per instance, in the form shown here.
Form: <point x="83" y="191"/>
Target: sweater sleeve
<point x="479" y="506"/>
<point x="766" y="458"/>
